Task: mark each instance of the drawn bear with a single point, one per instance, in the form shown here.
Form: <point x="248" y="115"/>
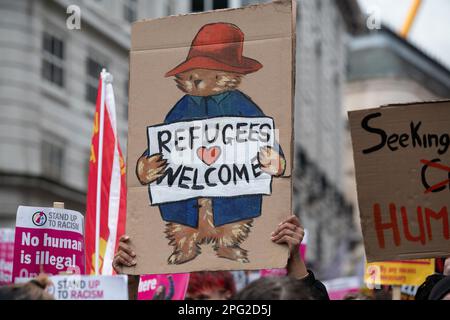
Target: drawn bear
<point x="210" y="77"/>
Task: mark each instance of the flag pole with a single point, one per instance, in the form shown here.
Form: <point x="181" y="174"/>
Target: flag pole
<point x="99" y="171"/>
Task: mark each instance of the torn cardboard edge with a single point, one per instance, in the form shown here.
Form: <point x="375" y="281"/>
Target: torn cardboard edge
<point x="415" y="103"/>
<point x="291" y="4"/>
<point x="209" y="11"/>
<point x="400" y="104"/>
<point x="132" y="270"/>
<point x="409" y="256"/>
<point x="293" y="82"/>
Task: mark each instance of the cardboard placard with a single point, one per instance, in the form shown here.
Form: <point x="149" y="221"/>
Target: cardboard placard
<point x="163" y="286"/>
<point x="83" y="287"/>
<point x="6" y="255"/>
<point x="398" y="273"/>
<point x="402" y="164"/>
<point x="233" y="71"/>
<point x="48" y="240"/>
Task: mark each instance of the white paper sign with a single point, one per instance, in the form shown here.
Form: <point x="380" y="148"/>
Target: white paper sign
<point x="215" y="157"/>
<point x="80" y="287"/>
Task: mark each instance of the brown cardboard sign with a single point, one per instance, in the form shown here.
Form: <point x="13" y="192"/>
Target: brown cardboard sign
<point x="402" y="163"/>
<point x="210" y="139"/>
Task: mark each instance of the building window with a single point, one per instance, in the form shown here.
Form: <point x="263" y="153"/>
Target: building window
<point x="52" y="159"/>
<point x="53" y="59"/>
<point x="318" y="49"/>
<point x="319" y="5"/>
<point x="170" y="9"/>
<point x="130" y="10"/>
<point x="93" y="70"/>
<point x="205" y="5"/>
<point x="220" y="4"/>
<point x="127" y="97"/>
<point x="86" y="167"/>
<point x="197" y="5"/>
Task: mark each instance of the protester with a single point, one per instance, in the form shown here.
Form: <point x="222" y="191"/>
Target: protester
<point x="300" y="284"/>
<point x="289" y="232"/>
<point x="441" y="290"/>
<point x="32" y="290"/>
<point x="209" y="285"/>
<point x="278" y="288"/>
<point x="447" y="267"/>
<point x="424" y="290"/>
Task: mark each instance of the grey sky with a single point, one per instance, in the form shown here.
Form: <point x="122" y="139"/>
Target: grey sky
<point x="431" y="29"/>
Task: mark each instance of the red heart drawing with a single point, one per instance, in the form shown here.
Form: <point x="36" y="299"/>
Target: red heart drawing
<point x="208" y="155"/>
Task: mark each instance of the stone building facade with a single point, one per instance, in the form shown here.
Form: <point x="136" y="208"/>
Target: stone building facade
<point x="48" y="84"/>
<point x="324" y="29"/>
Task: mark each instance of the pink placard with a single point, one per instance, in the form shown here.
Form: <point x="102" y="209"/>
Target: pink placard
<point x="163" y="286"/>
<point x="48" y="240"/>
<point x="303" y="251"/>
<point x="6" y="255"/>
<point x="273" y="272"/>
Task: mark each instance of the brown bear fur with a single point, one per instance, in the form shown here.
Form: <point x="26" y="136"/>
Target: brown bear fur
<point x="225" y="239"/>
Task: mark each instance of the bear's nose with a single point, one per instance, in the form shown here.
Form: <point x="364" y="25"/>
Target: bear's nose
<point x="197" y="82"/>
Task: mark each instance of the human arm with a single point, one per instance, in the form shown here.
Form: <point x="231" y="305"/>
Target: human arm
<point x="291" y="232"/>
<point x="125" y="256"/>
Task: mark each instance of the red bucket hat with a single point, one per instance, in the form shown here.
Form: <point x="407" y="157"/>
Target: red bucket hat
<point x="218" y="46"/>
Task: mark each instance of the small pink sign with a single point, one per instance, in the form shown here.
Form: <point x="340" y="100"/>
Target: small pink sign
<point x="163" y="286"/>
<point x="340" y="287"/>
<point x="6" y="255"/>
<point x="340" y="294"/>
<point x="273" y="272"/>
<point x="48" y="240"/>
<point x="303" y="251"/>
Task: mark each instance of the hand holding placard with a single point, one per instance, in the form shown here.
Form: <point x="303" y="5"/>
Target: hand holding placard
<point x="150" y="168"/>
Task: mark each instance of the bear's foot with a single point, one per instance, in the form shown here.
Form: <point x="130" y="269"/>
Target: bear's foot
<point x="180" y="257"/>
<point x="184" y="242"/>
<point x="235" y="253"/>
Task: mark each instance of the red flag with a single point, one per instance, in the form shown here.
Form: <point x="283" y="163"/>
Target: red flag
<point x="107" y="204"/>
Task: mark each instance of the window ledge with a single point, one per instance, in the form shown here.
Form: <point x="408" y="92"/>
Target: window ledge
<point x="55" y="92"/>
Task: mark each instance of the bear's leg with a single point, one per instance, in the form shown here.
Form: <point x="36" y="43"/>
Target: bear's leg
<point x="228" y="239"/>
<point x="184" y="240"/>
